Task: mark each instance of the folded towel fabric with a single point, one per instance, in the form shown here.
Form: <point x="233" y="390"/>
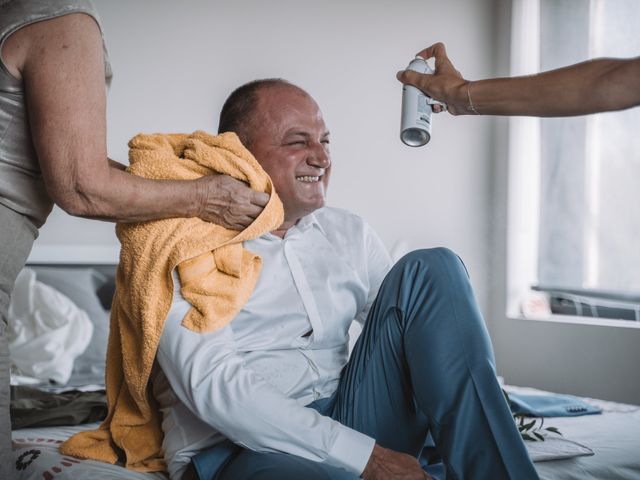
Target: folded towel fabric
<point x="550" y="405"/>
<point x="217" y="277"/>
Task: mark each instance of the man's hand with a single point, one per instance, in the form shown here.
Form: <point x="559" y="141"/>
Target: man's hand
<point x="385" y="464"/>
<point x="229" y="202"/>
<point x="445" y="85"/>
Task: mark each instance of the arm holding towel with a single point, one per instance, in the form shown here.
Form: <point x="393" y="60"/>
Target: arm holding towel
<point x="62" y="67"/>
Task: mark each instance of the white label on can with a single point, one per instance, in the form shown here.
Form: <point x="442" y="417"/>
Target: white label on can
<point x="424" y="111"/>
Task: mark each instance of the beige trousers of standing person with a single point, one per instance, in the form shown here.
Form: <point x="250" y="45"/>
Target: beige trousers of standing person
<point x="17" y="235"/>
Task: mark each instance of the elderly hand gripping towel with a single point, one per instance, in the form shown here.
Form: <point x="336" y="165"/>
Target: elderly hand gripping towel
<point x="217" y="276"/>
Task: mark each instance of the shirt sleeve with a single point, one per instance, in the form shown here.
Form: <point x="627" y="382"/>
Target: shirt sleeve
<point x="378" y="263"/>
<point x="208" y="375"/>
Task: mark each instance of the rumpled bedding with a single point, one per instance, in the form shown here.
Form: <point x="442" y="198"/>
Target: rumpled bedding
<point x="31" y="407"/>
<point x="47" y="331"/>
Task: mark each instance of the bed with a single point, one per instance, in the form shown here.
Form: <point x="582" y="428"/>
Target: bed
<point x="613" y="436"/>
<point x="607" y="444"/>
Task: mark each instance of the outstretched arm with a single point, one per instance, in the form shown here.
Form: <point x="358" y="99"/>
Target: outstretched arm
<point x="60" y="62"/>
<point x="599" y="85"/>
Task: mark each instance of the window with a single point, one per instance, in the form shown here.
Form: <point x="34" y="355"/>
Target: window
<point x="574" y="213"/>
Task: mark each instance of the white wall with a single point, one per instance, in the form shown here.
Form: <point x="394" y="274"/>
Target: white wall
<point x="175" y="63"/>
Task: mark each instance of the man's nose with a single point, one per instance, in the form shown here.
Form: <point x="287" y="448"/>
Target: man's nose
<point x="320" y="157"/>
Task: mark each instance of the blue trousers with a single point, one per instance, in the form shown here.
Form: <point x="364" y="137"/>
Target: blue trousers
<point x="422" y="365"/>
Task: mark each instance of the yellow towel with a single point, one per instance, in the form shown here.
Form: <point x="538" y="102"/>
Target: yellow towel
<point x="217" y="277"/>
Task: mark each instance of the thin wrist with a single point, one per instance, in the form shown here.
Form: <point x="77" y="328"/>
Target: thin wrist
<point x="459" y="98"/>
<point x="471" y="107"/>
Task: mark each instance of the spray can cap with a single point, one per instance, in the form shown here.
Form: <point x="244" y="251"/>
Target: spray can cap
<point x="420" y="65"/>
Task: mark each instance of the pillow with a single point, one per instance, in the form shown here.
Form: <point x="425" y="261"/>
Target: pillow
<point x="47" y="331"/>
<point x="80" y="285"/>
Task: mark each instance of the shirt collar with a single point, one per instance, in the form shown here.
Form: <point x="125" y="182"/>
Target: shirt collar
<point x="308" y="221"/>
<point x="304" y="224"/>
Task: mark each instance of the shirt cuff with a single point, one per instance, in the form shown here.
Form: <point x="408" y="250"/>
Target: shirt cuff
<point x="351" y="450"/>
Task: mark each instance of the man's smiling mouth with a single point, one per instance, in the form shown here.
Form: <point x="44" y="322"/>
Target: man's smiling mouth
<point x="308" y="179"/>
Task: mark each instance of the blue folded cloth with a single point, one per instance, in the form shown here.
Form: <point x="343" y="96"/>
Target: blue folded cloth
<point x="550" y="405"/>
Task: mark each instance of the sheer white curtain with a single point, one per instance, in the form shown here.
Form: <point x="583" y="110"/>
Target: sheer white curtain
<point x="589" y="211"/>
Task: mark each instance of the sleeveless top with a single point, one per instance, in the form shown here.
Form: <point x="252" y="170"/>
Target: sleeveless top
<point x="21" y="185"/>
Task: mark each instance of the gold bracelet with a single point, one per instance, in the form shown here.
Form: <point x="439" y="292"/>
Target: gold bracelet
<point x="471" y="107"/>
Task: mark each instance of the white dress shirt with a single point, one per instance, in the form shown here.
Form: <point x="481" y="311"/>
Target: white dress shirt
<point x="251" y="380"/>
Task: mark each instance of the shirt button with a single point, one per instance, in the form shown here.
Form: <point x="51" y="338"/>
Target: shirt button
<point x="316" y="394"/>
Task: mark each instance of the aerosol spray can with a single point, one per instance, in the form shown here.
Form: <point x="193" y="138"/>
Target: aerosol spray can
<point x="415" y="125"/>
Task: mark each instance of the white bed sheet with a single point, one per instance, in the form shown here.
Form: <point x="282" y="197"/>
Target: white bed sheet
<point x="614" y="436"/>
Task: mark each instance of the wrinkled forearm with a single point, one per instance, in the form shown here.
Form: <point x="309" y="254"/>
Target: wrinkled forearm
<point x="122" y="197"/>
<point x="62" y="67"/>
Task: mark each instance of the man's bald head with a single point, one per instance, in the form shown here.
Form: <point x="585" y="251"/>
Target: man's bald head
<point x="240" y="113"/>
<point x="282" y="126"/>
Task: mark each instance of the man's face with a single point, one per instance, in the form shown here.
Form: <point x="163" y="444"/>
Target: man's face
<point x="291" y="142"/>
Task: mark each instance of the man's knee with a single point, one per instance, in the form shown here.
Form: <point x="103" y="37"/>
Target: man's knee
<point x="432" y="259"/>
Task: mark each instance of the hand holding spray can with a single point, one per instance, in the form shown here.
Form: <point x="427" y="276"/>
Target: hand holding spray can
<point x="415" y="125"/>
